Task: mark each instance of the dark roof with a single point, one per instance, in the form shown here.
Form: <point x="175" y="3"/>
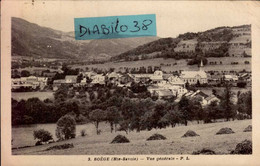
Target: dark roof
<point x="202" y="94"/>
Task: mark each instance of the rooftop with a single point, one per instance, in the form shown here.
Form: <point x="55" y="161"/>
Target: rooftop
<point x="193" y="74"/>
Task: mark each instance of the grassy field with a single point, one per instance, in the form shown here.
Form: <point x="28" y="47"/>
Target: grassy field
<point x="181" y="64"/>
<point x="174" y="144"/>
<point x="26" y="95"/>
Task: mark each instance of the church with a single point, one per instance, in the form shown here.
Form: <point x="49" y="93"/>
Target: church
<point x="194" y="77"/>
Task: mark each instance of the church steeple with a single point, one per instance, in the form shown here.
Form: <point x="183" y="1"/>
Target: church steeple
<point x="201" y="65"/>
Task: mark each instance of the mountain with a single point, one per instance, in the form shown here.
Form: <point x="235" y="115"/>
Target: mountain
<point x="217" y="42"/>
<point x="32" y="40"/>
<point x="107" y="48"/>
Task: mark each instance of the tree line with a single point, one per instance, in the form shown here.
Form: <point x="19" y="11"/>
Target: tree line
<point x="125" y="110"/>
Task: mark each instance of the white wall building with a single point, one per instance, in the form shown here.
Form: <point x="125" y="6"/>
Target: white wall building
<point x="98" y="79"/>
<point x="193" y="77"/>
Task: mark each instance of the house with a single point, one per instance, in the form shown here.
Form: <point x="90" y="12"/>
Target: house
<point x="157" y="76"/>
<point x="215" y="79"/>
<point x="230" y="78"/>
<point x="194" y="77"/>
<point x="31" y="81"/>
<point x="140" y="77"/>
<point x="175" y="80"/>
<point x="167" y="76"/>
<point x="164" y="85"/>
<point x="43" y="82"/>
<point x="49" y="74"/>
<point x="71" y="79"/>
<point x="163" y="93"/>
<point x="57" y="83"/>
<point x="125" y="78"/>
<point x="113" y="77"/>
<point x="83" y="81"/>
<point x="98" y="79"/>
<point x="128" y="85"/>
<point x="89" y="74"/>
<point x="153" y="88"/>
<point x="212" y="98"/>
<point x="178" y="90"/>
<point x="198" y="94"/>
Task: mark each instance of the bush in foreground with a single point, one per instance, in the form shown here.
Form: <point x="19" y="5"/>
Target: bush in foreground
<point x="244" y="147"/>
<point x="59" y="147"/>
<point x="225" y="130"/>
<point x="120" y="139"/>
<point x="248" y="129"/>
<point x="156" y="137"/>
<point x="83" y="133"/>
<point x="190" y="133"/>
<point x="204" y="151"/>
<point x="66" y="127"/>
<point x="42" y="135"/>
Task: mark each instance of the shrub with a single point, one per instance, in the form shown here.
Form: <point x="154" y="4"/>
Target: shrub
<point x="241" y="116"/>
<point x="241" y="84"/>
<point x="80" y="119"/>
<point x="59" y="147"/>
<point x="244" y="147"/>
<point x="120" y="139"/>
<point x="66" y="127"/>
<point x="190" y="133"/>
<point x="248" y="129"/>
<point x="38" y="143"/>
<point x="42" y="136"/>
<point x="83" y="132"/>
<point x="225" y="131"/>
<point x="204" y="151"/>
<point x="156" y="137"/>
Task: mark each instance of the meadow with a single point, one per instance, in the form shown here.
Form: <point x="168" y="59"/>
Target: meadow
<point x="26" y="95"/>
<point x="174" y="144"/>
<point x="181" y="64"/>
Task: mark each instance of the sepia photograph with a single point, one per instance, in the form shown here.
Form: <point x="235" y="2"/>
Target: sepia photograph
<point x="183" y="94"/>
<point x="88" y="80"/>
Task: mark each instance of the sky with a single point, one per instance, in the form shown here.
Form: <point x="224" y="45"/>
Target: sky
<point x="172" y="18"/>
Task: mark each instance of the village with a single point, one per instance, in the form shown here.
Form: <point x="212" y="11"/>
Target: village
<point x="180" y="86"/>
<point x="160" y="84"/>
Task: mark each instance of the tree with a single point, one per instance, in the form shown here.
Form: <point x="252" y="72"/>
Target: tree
<point x="66" y="128"/>
<point x="196" y="109"/>
<point x="62" y="93"/>
<point x="25" y="73"/>
<point x="112" y="116"/>
<point x="42" y="135"/>
<point x="97" y="116"/>
<point x="153" y="115"/>
<point x="212" y="112"/>
<point x="35" y="109"/>
<point x="184" y="107"/>
<point x="72" y="105"/>
<point x="15" y="74"/>
<point x="248" y="102"/>
<point x="226" y="103"/>
<point x="172" y="117"/>
<point x="244" y="103"/>
<point x="241" y="84"/>
<point x="79" y="78"/>
<point x="18" y="112"/>
<point x="214" y="92"/>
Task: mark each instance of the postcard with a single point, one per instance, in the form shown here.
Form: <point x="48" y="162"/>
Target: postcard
<point x="130" y="83"/>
